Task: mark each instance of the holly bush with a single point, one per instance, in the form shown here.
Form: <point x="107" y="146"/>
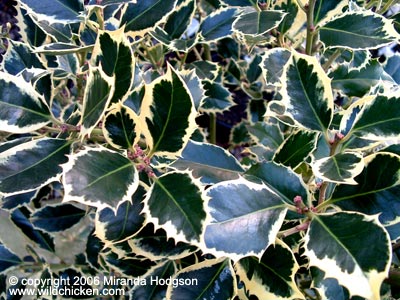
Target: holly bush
<point x="248" y="147"/>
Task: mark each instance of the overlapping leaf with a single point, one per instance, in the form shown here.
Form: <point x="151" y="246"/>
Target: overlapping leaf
<point x="384" y="125"/>
<point x="140" y="17"/>
<point x="272" y="276"/>
<point x="296" y="148"/>
<point x="155" y="245"/>
<point x="176" y="203"/>
<point x="116" y="226"/>
<point x="246" y="209"/>
<point x="20" y="56"/>
<point x="255" y="23"/>
<point x="113" y="52"/>
<point x="99" y="91"/>
<point x="167" y="114"/>
<point x="218" y="24"/>
<point x="22" y="109"/>
<point x="358" y="30"/>
<point x="339" y="168"/>
<point x="208" y="162"/>
<point x="57" y="218"/>
<point x="358" y="82"/>
<point x="273" y="64"/>
<point x="331" y="248"/>
<point x="211" y="279"/>
<point x="99" y="177"/>
<point x="307" y="94"/>
<point x="65" y="11"/>
<point x="31" y="165"/>
<point x="8" y="259"/>
<point x="282" y="180"/>
<point x="121" y="127"/>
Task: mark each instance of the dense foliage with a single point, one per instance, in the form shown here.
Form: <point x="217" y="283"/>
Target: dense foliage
<point x="251" y="147"/>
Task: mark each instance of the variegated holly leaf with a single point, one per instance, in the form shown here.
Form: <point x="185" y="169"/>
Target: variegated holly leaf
<point x="28" y="166"/>
<point x="131" y="266"/>
<point x="8" y="259"/>
<point x="280" y="179"/>
<point x="328" y="288"/>
<point x="306" y="94"/>
<point x="358" y="82"/>
<point x="155" y="245"/>
<point x="99" y="177"/>
<point x="273" y="64"/>
<point x="121" y="127"/>
<point x="266" y="134"/>
<point x="255" y="23"/>
<point x="28" y="29"/>
<point x="392" y="67"/>
<point x="210" y="279"/>
<point x="325" y="10"/>
<point x="180" y="19"/>
<point x="242" y="208"/>
<point x="296" y="148"/>
<point x="208" y="162"/>
<point x="99" y="91"/>
<point x="217" y="97"/>
<point x="116" y="226"/>
<point x="218" y="24"/>
<point x="329" y="247"/>
<point x="376" y="192"/>
<point x="339" y="168"/>
<point x="57" y="218"/>
<point x="61" y="49"/>
<point x="139" y="17"/>
<point x="272" y="276"/>
<point x="384" y="125"/>
<point x="177" y="208"/>
<point x="148" y="287"/>
<point x="62" y="11"/>
<point x="20" y="217"/>
<point x="358" y="30"/>
<point x="167" y="114"/>
<point x="22" y="109"/>
<point x="19" y="57"/>
<point x="113" y="52"/>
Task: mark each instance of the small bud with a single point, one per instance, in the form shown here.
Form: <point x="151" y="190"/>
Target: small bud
<point x="297" y="200"/>
<point x="141" y="167"/>
<point x="64" y="128"/>
<point x="339" y="136"/>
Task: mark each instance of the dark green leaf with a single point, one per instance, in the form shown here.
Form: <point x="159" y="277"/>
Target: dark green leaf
<point x="211" y="279"/>
<point x="331" y="248"/>
<point x="113" y="227"/>
<point x="155" y="245"/>
<point x="99" y="91"/>
<point x="142" y="16"/>
<point x="218" y="98"/>
<point x="272" y="276"/>
<point x="384" y="125"/>
<point x="7" y="259"/>
<point x="246" y="209"/>
<point x="218" y="24"/>
<point x="358" y="82"/>
<point x="358" y="30"/>
<point x="31" y="165"/>
<point x="168" y="110"/>
<point x="306" y="93"/>
<point x="256" y="23"/>
<point x="99" y="177"/>
<point x="282" y="180"/>
<point x="113" y="52"/>
<point x="22" y="109"/>
<point x="57" y="218"/>
<point x="327" y="9"/>
<point x="182" y="212"/>
<point x="128" y="266"/>
<point x="66" y="11"/>
<point x="296" y="148"/>
<point x="20" y="218"/>
<point x="121" y="127"/>
<point x="339" y="168"/>
<point x="19" y="57"/>
<point x="392" y="67"/>
<point x="208" y="162"/>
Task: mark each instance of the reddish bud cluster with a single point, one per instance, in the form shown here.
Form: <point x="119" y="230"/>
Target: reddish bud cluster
<point x="143" y="161"/>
